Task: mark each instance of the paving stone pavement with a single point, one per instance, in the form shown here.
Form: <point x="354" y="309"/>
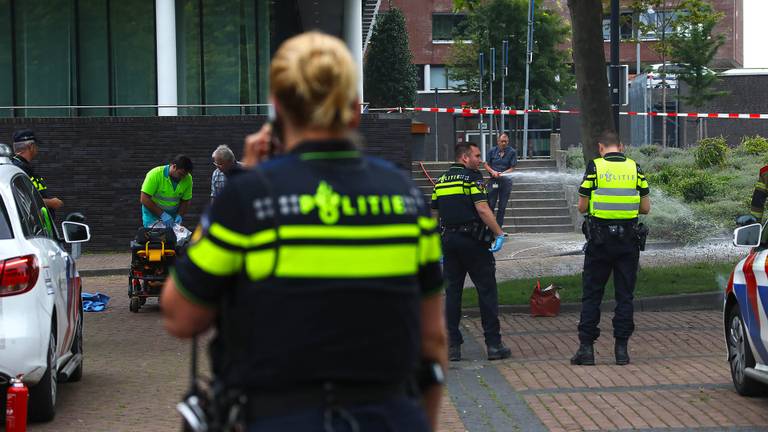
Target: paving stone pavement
<point x="678" y="379"/>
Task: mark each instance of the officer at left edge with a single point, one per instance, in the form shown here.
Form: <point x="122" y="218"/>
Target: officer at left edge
<point x="26" y="146"/>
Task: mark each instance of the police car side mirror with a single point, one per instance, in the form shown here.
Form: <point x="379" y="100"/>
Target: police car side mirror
<point x="748" y="236"/>
<point x="75" y="232"/>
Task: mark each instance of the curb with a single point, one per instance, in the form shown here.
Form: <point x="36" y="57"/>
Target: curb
<point x="104" y="272"/>
<point x="670" y="303"/>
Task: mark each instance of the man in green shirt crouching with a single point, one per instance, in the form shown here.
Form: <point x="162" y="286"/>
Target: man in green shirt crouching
<point x="166" y="192"/>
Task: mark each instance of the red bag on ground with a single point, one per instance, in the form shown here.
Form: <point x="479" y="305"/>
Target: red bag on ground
<point x="545" y="302"/>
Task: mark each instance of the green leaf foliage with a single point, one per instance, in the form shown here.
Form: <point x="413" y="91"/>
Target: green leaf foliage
<point x="711" y="152"/>
<point x="389" y="73"/>
<point x="754" y="145"/>
<point x="488" y="24"/>
<point x="695" y="49"/>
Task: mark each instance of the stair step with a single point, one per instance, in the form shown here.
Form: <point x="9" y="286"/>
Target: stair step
<point x="541" y="211"/>
<point x="537" y="203"/>
<point x="539" y="229"/>
<point x="537" y="220"/>
<point x="435" y="173"/>
<point x="539" y="194"/>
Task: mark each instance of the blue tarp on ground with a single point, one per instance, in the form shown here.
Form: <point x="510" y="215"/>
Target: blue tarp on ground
<point x="94" y="302"/>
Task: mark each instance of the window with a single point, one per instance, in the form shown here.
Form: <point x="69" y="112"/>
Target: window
<point x="438" y="78"/>
<point x="28" y="205"/>
<point x="626" y="26"/>
<point x="5" y="224"/>
<point x="219" y="55"/>
<point x="420" y="77"/>
<point x="446" y="25"/>
<point x="658" y="22"/>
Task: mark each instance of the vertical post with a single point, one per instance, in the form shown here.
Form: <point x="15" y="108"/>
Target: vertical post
<point x="505" y="63"/>
<point x="353" y="36"/>
<point x="528" y="61"/>
<point x="436" y="129"/>
<point x="615" y="85"/>
<point x="165" y="32"/>
<point x="492" y="126"/>
<point x="482" y="134"/>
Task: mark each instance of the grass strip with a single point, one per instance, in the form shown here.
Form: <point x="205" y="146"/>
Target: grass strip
<point x="651" y="281"/>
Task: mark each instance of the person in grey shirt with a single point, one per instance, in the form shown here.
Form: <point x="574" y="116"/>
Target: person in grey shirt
<point x="501" y="160"/>
<point x="225" y="163"/>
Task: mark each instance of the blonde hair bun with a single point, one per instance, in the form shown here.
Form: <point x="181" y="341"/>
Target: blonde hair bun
<point x="314" y="79"/>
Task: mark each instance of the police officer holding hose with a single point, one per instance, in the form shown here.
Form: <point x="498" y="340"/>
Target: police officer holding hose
<point x="614" y="191"/>
<point x="319" y="270"/>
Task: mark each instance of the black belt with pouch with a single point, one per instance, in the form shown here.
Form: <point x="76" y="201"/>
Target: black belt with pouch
<point x="598" y="233"/>
<point x="477" y="230"/>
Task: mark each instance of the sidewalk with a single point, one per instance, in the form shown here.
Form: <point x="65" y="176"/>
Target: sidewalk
<point x="523" y="256"/>
<point x="678" y="379"/>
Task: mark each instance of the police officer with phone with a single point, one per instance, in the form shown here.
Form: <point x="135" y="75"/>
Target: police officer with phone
<point x="613" y="193"/>
<point x="319" y="269"/>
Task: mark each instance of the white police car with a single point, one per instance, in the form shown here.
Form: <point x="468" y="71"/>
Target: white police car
<point x="745" y="314"/>
<point x="41" y="321"/>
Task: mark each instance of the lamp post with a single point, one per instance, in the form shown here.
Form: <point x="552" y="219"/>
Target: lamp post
<point x="482" y="135"/>
<point x="528" y="61"/>
<point x="615" y="94"/>
<point x="490" y="95"/>
<point x="505" y="65"/>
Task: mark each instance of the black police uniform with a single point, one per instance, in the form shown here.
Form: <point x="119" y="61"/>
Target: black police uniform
<point x="37" y="181"/>
<point x="317" y="262"/>
<point x="454" y="197"/>
<point x="613" y="245"/>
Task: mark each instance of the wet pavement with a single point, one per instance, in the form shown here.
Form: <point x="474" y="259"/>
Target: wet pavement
<point x="678" y="379"/>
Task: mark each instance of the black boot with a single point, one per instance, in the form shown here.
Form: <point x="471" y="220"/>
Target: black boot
<point x="622" y="352"/>
<point x="584" y="356"/>
<point x="498" y="352"/>
<point x="454" y="353"/>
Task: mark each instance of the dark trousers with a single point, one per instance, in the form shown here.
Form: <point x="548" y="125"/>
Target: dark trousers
<point x="463" y="254"/>
<point x="401" y="414"/>
<point x="499" y="190"/>
<point x="619" y="256"/>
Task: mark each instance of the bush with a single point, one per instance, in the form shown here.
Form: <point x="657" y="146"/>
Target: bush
<point x="697" y="187"/>
<point x="754" y="145"/>
<point x="650" y="150"/>
<point x="575" y="159"/>
<point x="669" y="178"/>
<point x="673" y="220"/>
<point x="711" y="152"/>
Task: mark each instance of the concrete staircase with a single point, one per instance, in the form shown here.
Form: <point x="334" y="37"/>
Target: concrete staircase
<point x="536" y="204"/>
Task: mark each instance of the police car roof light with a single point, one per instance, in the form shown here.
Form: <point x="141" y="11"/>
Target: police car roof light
<point x="5" y="150"/>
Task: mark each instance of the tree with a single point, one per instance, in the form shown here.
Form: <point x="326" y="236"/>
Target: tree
<point x="487" y="25"/>
<point x="390" y="76"/>
<point x="591" y="79"/>
<point x="660" y="19"/>
<point x="695" y="48"/>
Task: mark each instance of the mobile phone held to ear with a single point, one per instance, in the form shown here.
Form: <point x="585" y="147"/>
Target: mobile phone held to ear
<point x="276" y="140"/>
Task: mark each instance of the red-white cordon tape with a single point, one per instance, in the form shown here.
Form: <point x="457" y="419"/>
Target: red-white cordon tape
<point x="556" y="111"/>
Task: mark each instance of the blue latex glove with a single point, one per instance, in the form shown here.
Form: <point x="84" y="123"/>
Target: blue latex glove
<point x="497" y="244"/>
<point x="167" y="219"/>
<point x="177" y="220"/>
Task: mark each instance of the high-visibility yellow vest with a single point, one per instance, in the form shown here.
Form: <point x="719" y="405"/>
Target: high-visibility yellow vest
<point x="615" y="195"/>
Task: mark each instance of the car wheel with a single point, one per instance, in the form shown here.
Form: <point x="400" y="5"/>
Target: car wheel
<point x="77" y="348"/>
<point x="740" y="355"/>
<point x="42" y="396"/>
